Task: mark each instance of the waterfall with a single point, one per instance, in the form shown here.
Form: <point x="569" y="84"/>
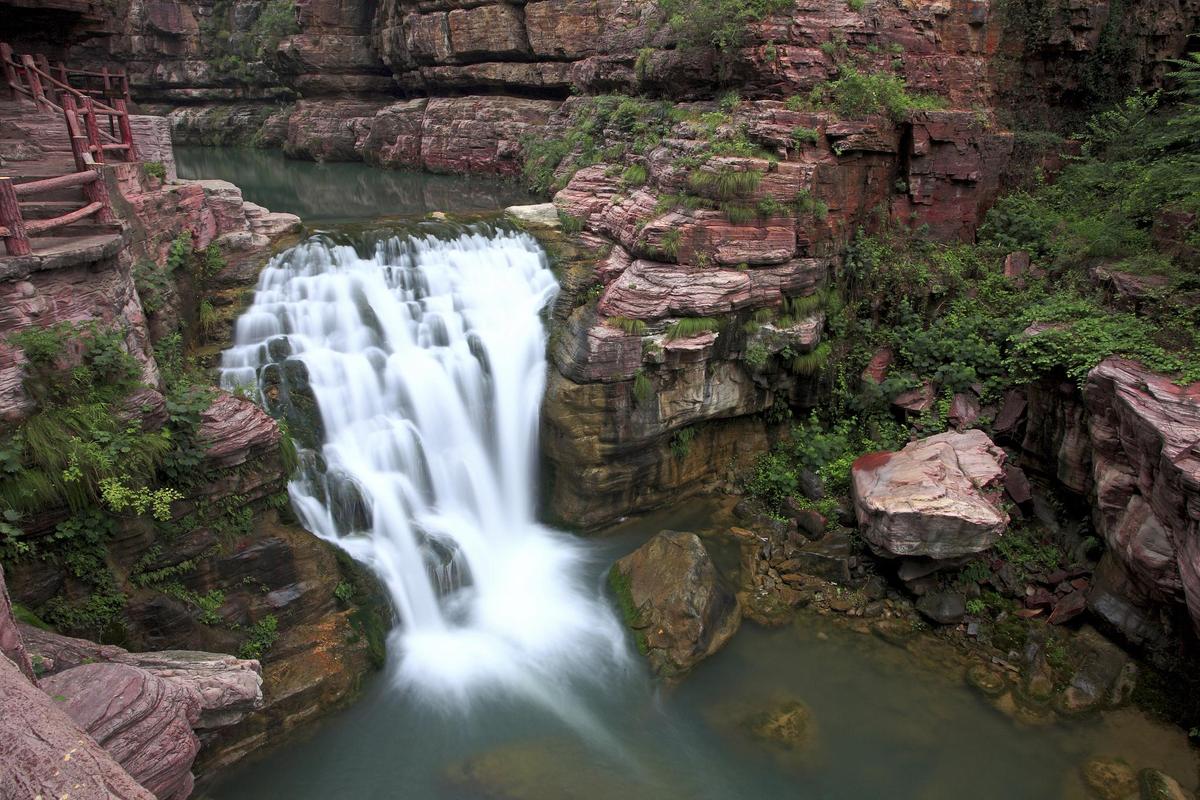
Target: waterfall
<point x="425" y="357"/>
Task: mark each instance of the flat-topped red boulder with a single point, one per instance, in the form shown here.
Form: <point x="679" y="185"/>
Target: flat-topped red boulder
<point x="938" y="497"/>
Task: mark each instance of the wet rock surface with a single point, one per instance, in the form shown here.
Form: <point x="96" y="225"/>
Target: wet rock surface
<point x="674" y="602"/>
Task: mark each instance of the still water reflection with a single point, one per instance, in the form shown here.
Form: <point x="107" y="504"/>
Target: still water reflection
<point x="344" y="192"/>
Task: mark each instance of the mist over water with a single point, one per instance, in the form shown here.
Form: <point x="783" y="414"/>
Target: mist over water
<point x="426" y="358"/>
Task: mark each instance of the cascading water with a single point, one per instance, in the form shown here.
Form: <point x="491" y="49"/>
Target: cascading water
<point x="426" y="360"/>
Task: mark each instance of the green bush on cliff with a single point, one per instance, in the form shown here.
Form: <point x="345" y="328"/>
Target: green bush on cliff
<point x="856" y="94"/>
<point x="260" y="637"/>
<point x="688" y="327"/>
<point x="721" y="25"/>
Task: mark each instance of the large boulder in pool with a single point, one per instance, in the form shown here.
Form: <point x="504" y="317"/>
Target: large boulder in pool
<point x="938" y="497"/>
<point x="671" y="597"/>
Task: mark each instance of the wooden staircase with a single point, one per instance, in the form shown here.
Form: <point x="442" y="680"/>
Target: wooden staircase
<point x="76" y="121"/>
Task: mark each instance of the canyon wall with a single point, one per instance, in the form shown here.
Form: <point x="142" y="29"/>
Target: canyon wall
<point x="225" y="569"/>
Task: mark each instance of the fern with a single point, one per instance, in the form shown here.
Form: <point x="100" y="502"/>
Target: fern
<point x="643" y="388"/>
<point x="668" y="247"/>
<point x="634" y="175"/>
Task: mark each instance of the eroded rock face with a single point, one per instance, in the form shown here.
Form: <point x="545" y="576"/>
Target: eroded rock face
<point x="143" y="721"/>
<point x="12" y="646"/>
<point x="1145" y="438"/>
<point x="45" y="753"/>
<point x="938" y="497"/>
<point x="674" y="602"/>
<point x="229" y="688"/>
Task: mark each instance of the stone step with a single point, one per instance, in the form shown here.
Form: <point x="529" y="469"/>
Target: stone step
<point x="46" y="209"/>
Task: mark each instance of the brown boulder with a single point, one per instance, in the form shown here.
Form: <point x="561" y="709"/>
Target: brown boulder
<point x="673" y="600"/>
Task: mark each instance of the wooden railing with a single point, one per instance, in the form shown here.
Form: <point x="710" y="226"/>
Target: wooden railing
<point x="24" y="76"/>
<point x="90" y="145"/>
<point x="15" y="230"/>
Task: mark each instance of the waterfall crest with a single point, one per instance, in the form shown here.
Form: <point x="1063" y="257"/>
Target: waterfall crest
<point x="425" y="357"/>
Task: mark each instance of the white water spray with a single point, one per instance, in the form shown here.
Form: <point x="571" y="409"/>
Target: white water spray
<point x="427" y="363"/>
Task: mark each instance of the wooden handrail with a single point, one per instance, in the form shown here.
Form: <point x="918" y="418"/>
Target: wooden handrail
<point x="58" y="182"/>
<point x="15" y="230"/>
<point x="43" y="225"/>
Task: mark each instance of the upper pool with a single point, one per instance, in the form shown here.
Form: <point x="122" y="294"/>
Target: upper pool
<point x="344" y="192"/>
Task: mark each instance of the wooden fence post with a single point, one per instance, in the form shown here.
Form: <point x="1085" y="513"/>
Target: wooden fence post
<point x="126" y="129"/>
<point x="44" y="66"/>
<point x="125" y="85"/>
<point x="93" y="130"/>
<point x="97" y="192"/>
<point x="16" y="240"/>
<point x="35" y="83"/>
<point x="10" y="73"/>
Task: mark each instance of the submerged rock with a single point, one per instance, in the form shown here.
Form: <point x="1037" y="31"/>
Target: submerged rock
<point x="1110" y="778"/>
<point x="788" y="725"/>
<point x="1156" y="785"/>
<point x="558" y="768"/>
<point x="671" y="597"/>
<point x="938" y="497"/>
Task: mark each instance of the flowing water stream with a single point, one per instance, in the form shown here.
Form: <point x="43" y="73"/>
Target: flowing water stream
<point x="426" y="359"/>
<point x="509" y="675"/>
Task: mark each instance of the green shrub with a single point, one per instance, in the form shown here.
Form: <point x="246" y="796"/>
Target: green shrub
<point x="643" y="388"/>
<point x="260" y="638"/>
<point x="738" y="213"/>
<point x="802" y="136"/>
<point x="756" y="356"/>
<point x="543" y="155"/>
<point x="681" y="441"/>
<point x="154" y="169"/>
<point x="812" y="362"/>
<point x="670" y="243"/>
<point x="569" y="223"/>
<point x="634" y="175"/>
<point x="725" y="183"/>
<point x="717" y="24"/>
<point x="854" y="94"/>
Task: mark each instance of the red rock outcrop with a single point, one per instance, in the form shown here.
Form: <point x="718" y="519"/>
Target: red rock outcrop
<point x="229" y="688"/>
<point x="1145" y="438"/>
<point x="12" y="646"/>
<point x="144" y="722"/>
<point x="44" y="753"/>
